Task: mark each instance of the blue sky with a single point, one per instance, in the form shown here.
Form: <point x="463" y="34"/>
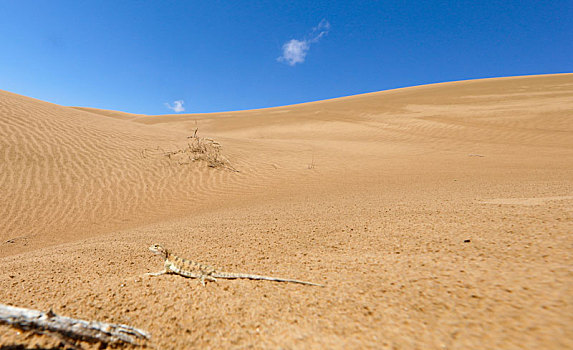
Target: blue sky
<point x="147" y="56"/>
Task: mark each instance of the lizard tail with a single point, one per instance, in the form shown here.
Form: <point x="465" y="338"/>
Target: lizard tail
<point x="232" y="275"/>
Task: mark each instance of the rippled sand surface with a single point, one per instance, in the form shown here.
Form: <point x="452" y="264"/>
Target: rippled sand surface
<point x="437" y="216"/>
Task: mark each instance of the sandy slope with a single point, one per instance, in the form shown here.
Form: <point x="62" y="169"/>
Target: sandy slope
<point x="373" y="195"/>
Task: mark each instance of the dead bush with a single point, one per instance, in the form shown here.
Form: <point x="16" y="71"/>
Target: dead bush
<point x="199" y="149"/>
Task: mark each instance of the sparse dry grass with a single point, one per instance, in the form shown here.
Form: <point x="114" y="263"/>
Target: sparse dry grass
<point x="199" y="149"/>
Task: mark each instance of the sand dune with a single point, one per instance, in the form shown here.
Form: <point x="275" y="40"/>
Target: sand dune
<point x="72" y="174"/>
<point x="437" y="216"/>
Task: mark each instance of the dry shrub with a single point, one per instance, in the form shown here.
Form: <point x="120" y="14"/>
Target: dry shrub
<point x="200" y="149"/>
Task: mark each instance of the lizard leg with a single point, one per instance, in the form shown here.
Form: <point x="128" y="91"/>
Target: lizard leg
<point x="209" y="278"/>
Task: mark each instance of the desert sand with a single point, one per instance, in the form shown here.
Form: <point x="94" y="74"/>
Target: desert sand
<point x="437" y="216"/>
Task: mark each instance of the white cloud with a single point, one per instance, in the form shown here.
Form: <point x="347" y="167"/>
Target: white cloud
<point x="320" y="30"/>
<point x="177" y="106"/>
<point x="294" y="51"/>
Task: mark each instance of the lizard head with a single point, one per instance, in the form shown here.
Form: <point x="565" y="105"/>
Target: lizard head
<point x="159" y="250"/>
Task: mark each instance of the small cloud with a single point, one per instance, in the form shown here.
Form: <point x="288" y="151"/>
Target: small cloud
<point x="177" y="106"/>
<point x="320" y="30"/>
<point x="294" y="51"/>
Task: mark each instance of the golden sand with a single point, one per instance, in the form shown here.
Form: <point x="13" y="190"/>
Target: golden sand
<point x="438" y="216"/>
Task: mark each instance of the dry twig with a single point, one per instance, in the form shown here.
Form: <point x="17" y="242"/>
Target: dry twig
<point x="67" y="328"/>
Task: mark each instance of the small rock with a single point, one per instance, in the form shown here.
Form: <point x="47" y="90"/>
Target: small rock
<point x="467" y="240"/>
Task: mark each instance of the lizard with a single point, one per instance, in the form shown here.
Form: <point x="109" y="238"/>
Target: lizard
<point x="174" y="264"/>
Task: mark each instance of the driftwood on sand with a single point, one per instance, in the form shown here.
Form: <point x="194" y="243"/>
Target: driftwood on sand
<point x="69" y="329"/>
